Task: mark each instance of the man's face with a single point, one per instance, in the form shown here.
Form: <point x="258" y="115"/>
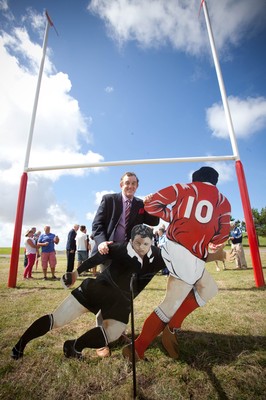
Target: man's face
<point x="141" y="245"/>
<point x="47" y="229"/>
<point x="129" y="185"/>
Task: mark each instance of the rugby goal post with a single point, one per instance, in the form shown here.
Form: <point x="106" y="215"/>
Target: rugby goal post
<point x="252" y="237"/>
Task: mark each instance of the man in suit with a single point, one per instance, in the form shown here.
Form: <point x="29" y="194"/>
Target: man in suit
<point x="111" y="223"/>
<point x="71" y="247"/>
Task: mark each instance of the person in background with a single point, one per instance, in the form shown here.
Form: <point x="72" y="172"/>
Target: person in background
<point x="162" y="237"/>
<point x="117" y="214"/>
<point x="38" y="255"/>
<point x="33" y="229"/>
<point x="46" y="241"/>
<point x="71" y="247"/>
<point x="155" y="238"/>
<point x="236" y="237"/>
<point x="197" y="214"/>
<point x="161" y="241"/>
<point x="31" y="249"/>
<point x="82" y="243"/>
<point x="91" y="246"/>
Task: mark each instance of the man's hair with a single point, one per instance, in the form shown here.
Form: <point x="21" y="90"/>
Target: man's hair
<point x="129" y="174"/>
<point x="82" y="228"/>
<point x="142" y="230"/>
<point x="205" y="174"/>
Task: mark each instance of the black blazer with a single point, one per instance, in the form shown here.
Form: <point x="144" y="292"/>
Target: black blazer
<point x="71" y="240"/>
<point x="108" y="215"/>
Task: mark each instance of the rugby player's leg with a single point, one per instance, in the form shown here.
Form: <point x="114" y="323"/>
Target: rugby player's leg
<point x="68" y="310"/>
<point x="176" y="292"/>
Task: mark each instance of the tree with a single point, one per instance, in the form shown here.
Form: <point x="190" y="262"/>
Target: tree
<point x="260" y="221"/>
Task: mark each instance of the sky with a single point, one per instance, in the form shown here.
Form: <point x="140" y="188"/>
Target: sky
<point x="123" y="81"/>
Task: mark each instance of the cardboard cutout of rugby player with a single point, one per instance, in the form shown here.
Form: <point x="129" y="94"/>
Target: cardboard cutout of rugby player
<point x="108" y="292"/>
<point x="197" y="214"/>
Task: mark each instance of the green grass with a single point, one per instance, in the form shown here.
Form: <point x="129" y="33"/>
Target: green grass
<point x="7" y="250"/>
<point x="261" y="240"/>
<point x="222" y="345"/>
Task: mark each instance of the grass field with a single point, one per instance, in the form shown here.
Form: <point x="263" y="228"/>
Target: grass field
<point x="222" y="345"/>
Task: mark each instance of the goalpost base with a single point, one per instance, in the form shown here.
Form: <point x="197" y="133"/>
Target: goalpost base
<point x="12" y="280"/>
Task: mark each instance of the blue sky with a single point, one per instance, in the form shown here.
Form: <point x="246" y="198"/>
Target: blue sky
<point x="126" y="80"/>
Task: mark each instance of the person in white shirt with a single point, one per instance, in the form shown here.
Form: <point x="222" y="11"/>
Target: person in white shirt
<point x="30" y="251"/>
<point x="82" y="242"/>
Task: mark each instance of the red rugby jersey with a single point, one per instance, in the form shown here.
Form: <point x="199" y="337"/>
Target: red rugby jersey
<point x="197" y="214"/>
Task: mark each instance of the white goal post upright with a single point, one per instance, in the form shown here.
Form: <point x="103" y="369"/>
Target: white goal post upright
<point x="252" y="237"/>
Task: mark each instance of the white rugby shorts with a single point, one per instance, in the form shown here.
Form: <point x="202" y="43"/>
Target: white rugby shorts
<point x="181" y="263"/>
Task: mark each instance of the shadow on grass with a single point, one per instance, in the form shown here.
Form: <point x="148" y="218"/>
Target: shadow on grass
<point x="204" y="351"/>
<point x="237" y="289"/>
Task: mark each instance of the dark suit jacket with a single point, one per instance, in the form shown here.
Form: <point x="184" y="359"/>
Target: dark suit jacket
<point x="108" y="215"/>
<point x="71" y="242"/>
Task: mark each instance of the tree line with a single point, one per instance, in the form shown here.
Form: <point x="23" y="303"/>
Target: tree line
<point x="259" y="221"/>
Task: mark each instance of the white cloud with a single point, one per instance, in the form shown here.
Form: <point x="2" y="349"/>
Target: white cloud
<point x="225" y="170"/>
<point x="3" y="5"/>
<point x="99" y="195"/>
<point x="155" y="22"/>
<point x="109" y="89"/>
<point x="37" y="21"/>
<point x="149" y="23"/>
<point x="59" y="121"/>
<point x="90" y="216"/>
<point x="248" y="117"/>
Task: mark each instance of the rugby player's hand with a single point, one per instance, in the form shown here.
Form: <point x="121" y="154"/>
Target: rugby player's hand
<point x="103" y="247"/>
<point x="147" y="199"/>
<point x="68" y="279"/>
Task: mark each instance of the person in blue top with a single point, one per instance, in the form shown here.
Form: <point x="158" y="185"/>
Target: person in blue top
<point x="46" y="241"/>
<point x="236" y="237"/>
